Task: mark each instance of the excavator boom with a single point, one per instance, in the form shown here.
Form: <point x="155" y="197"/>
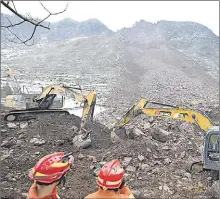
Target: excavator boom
<point x="174" y="112"/>
<point x="61" y="89"/>
<point x="190" y="116"/>
<point x="131" y="114"/>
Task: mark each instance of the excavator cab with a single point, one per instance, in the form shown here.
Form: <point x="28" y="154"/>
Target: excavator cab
<point x="47" y="101"/>
<point x="211" y="149"/>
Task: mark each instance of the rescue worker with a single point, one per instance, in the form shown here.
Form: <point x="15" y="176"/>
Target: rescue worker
<point x="47" y="174"/>
<point x="111" y="182"/>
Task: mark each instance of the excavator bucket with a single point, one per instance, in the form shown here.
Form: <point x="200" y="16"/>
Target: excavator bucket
<point x="130" y="115"/>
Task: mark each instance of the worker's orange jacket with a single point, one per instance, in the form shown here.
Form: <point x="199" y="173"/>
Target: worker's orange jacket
<point x="125" y="193"/>
<point x="32" y="194"/>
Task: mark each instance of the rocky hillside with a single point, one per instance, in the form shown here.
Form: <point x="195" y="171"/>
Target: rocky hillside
<point x="170" y="62"/>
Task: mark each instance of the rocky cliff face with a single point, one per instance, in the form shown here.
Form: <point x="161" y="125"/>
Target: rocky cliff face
<point x="59" y="31"/>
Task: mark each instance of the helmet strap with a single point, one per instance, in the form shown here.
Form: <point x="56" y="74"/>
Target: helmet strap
<point x="122" y="184"/>
<point x="62" y="180"/>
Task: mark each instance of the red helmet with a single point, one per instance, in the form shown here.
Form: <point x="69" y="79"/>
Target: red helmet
<point x="51" y="167"/>
<point x="111" y="175"/>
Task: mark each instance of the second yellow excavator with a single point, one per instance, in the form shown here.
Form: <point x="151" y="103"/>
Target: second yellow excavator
<point x="45" y="102"/>
<point x="210" y="130"/>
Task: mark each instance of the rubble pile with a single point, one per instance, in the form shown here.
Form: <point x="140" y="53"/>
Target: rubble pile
<point x="156" y="157"/>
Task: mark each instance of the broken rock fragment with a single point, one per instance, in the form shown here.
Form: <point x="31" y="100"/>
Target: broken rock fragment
<point x="80" y="156"/>
<point x="23" y="125"/>
<point x="60" y="142"/>
<point x="166" y="189"/>
<point x="92" y="158"/>
<point x="137" y="132"/>
<point x="79" y="142"/>
<point x="147" y="125"/>
<point x="126" y="161"/>
<point x="141" y="158"/>
<point x="216" y="187"/>
<point x="12" y="125"/>
<point x="130" y="168"/>
<point x="9" y="142"/>
<point x="37" y="141"/>
<point x="6" y="154"/>
<point x="145" y="167"/>
<point x="3" y="130"/>
<point x="159" y="134"/>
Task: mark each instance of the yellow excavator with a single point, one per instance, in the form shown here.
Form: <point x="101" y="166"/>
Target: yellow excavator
<point x="210" y="130"/>
<point x="44" y="103"/>
<point x="52" y="99"/>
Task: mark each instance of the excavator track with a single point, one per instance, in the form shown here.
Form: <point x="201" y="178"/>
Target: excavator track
<point x="29" y="114"/>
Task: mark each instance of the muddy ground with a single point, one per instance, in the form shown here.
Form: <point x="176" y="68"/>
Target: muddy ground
<point x="155" y="168"/>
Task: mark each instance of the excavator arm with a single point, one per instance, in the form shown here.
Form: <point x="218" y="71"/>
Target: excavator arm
<point x="173" y="112"/>
<point x="190" y="116"/>
<point x="88" y="109"/>
<point x="60" y="89"/>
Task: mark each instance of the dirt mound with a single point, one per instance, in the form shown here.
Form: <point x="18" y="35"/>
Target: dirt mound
<point x="153" y="168"/>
